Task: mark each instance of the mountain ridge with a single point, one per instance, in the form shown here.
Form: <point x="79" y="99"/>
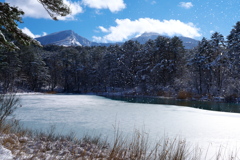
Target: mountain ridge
<point x="70" y="38"/>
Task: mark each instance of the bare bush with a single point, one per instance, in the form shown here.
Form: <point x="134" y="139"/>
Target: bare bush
<point x="8" y="104"/>
<point x="184" y="95"/>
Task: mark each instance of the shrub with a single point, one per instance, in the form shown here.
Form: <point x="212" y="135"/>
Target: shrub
<point x="164" y="93"/>
<point x="8" y="104"/>
<point x="184" y="95"/>
<point x="231" y="98"/>
<point x="51" y="92"/>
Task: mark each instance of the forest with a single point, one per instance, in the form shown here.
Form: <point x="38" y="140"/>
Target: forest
<point x="160" y="67"/>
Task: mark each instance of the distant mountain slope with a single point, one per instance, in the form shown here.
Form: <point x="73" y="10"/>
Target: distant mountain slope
<point x="188" y="43"/>
<point x="64" y="38"/>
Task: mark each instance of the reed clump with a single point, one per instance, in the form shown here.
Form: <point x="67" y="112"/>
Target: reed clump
<point x="138" y="147"/>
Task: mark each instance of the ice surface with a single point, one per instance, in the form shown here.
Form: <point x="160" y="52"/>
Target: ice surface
<point x="92" y="114"/>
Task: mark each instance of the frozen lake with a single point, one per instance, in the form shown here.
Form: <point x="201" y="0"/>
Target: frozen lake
<point x="94" y="114"/>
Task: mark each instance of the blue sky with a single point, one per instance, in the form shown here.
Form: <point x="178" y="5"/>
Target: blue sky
<point x="119" y="20"/>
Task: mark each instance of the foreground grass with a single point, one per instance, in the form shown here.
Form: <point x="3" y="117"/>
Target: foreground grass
<point x="27" y="144"/>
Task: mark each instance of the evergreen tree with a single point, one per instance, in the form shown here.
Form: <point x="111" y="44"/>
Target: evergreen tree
<point x="218" y="60"/>
<point x="200" y="63"/>
<point x="234" y="40"/>
<point x="34" y="72"/>
<point x="234" y="50"/>
<point x="167" y="52"/>
<point x="129" y="62"/>
<point x="9" y="69"/>
<point x="11" y="16"/>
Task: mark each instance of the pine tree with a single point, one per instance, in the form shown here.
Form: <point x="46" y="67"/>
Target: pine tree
<point x="218" y="60"/>
<point x="234" y="39"/>
<point x="234" y="49"/>
<point x="200" y="63"/>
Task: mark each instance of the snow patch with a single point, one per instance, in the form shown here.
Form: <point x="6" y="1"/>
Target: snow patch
<point x="28" y="93"/>
<point x="5" y="154"/>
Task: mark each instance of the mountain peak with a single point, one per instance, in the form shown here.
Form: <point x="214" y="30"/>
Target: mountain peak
<point x="150" y="34"/>
<point x="143" y="38"/>
<point x="64" y="38"/>
<point x="188" y="43"/>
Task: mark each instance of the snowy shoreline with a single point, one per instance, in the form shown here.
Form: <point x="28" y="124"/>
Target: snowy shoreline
<point x="26" y="147"/>
<point x="120" y="94"/>
<point x="29" y="93"/>
<point x="130" y="94"/>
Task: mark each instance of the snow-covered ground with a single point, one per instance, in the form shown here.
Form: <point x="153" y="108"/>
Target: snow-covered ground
<point x="43" y="148"/>
<point x="5" y="154"/>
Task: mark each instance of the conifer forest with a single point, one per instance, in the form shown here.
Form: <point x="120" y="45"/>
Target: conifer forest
<point x="158" y="67"/>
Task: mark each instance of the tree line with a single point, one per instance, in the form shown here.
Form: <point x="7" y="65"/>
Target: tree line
<point x="159" y="66"/>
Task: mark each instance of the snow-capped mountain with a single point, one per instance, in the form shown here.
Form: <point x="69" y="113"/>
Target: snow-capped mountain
<point x="70" y="38"/>
<point x="64" y="38"/>
<point x="145" y="37"/>
<point x="188" y="43"/>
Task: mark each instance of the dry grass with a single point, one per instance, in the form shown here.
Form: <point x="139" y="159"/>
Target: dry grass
<point x="139" y="148"/>
<point x="135" y="147"/>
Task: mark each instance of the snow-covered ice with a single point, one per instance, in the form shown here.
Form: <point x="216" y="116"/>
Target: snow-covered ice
<point x="92" y="114"/>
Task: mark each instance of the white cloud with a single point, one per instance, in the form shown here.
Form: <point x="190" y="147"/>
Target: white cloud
<point x="44" y="34"/>
<point x="186" y="5"/>
<point x="153" y="2"/>
<point x="126" y="28"/>
<point x="97" y="39"/>
<point x="34" y="9"/>
<point x="103" y="29"/>
<point x="112" y="5"/>
<point x="29" y="33"/>
<point x="212" y="31"/>
<point x="98" y="12"/>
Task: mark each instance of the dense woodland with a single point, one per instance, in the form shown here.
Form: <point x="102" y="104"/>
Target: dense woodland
<point x="158" y="67"/>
